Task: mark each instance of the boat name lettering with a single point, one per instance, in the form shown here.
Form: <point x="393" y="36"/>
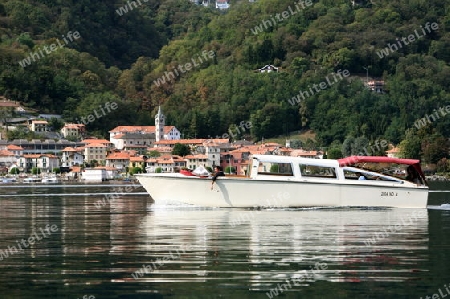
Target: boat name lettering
<point x="383" y="193"/>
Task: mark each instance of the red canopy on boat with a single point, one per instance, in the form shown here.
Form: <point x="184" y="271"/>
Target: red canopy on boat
<point x="374" y="159"/>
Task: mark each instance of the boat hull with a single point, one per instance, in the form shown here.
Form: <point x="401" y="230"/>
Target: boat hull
<point x="245" y="192"/>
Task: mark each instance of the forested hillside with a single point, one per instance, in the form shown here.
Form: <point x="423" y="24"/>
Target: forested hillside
<point x="122" y="58"/>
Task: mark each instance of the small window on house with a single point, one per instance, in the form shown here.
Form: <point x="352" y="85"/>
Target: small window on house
<point x="317" y="171"/>
<point x="282" y="169"/>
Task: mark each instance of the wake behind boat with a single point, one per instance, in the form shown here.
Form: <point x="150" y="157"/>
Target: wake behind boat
<point x="282" y="181"/>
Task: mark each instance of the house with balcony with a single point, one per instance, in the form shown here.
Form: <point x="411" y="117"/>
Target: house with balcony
<point x="167" y="163"/>
<point x="119" y="160"/>
<point x="72" y="157"/>
<point x="39" y="126"/>
<point x="45" y="162"/>
<point x="193" y="161"/>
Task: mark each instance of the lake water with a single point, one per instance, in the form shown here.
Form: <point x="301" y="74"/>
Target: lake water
<point x="61" y="242"/>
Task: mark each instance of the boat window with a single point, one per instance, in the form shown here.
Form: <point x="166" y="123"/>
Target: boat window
<point x="317" y="171"/>
<point x="271" y="168"/>
<point x="351" y="175"/>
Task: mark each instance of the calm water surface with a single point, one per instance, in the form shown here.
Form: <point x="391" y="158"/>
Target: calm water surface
<point x="133" y="248"/>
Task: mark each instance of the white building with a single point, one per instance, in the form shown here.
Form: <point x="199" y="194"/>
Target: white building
<point x="167" y="163"/>
<point x="72" y="157"/>
<point x="39" y="126"/>
<point x="44" y="162"/>
<point x="212" y="152"/>
<point x="119" y="160"/>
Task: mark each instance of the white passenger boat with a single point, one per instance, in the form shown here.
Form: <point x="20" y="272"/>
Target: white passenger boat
<point x="32" y="180"/>
<point x="8" y="180"/>
<point x="50" y="180"/>
<point x="281" y="181"/>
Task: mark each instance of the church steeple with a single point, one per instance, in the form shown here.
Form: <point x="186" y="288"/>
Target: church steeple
<point x="159" y="125"/>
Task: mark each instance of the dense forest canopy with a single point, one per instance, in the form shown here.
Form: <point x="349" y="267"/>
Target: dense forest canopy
<point x="120" y="57"/>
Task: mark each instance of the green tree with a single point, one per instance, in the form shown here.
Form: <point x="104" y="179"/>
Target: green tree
<point x="154" y="154"/>
<point x="135" y="170"/>
<point x="334" y="153"/>
<point x="56" y="124"/>
<point x="181" y="150"/>
<point x="434" y="148"/>
<point x="14" y="170"/>
<point x="274" y="168"/>
<point x="410" y="147"/>
<point x="35" y="171"/>
<point x="230" y="169"/>
<point x="158" y="170"/>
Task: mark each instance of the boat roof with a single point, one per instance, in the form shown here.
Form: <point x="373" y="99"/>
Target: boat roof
<point x="289" y="159"/>
<point x="374" y="159"/>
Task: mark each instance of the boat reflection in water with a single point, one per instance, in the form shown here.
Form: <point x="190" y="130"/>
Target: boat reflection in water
<point x="351" y="244"/>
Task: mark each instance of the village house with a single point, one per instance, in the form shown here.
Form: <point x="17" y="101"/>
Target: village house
<point x="129" y="136"/>
<point x="193" y="161"/>
<point x="119" y="160"/>
<point x="307" y="154"/>
<point x="137" y="161"/>
<point x="16" y="150"/>
<point x="72" y="157"/>
<point x="39" y="126"/>
<point x="394" y="152"/>
<point x="44" y="162"/>
<point x="237" y="159"/>
<point x="95" y="151"/>
<point x="7" y="158"/>
<point x="167" y="163"/>
<point x="73" y="130"/>
<point x="222" y="4"/>
<point x="104" y="142"/>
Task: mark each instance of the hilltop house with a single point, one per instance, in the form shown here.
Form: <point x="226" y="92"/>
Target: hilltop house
<point x="73" y="130"/>
<point x="39" y="126"/>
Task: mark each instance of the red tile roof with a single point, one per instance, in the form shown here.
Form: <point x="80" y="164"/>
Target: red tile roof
<point x="4" y="153"/>
<point x="147" y="129"/>
<point x="74" y="126"/>
<point x="95" y="145"/>
<point x="118" y="156"/>
<point x="32" y="156"/>
<point x="13" y="147"/>
<point x="88" y="141"/>
<point x="136" y="159"/>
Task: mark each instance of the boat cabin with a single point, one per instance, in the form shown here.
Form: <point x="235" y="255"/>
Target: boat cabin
<point x="264" y="167"/>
